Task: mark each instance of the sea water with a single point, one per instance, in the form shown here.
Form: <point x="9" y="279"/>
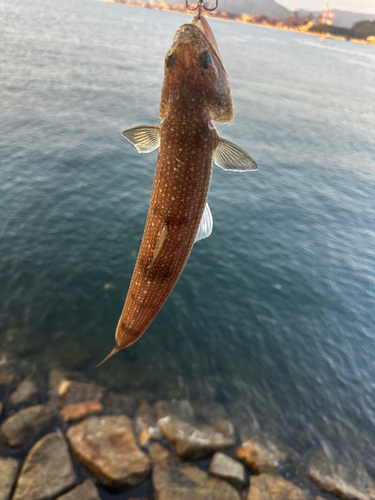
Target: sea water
<point x="273" y="316"/>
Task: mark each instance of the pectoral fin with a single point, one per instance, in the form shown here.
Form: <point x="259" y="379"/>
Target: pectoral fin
<point x="145" y="138"/>
<point x="228" y="156"/>
<point x="206" y="225"/>
<point x="159" y="245"/>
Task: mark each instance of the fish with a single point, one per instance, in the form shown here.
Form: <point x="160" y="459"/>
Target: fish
<point x="195" y="93"/>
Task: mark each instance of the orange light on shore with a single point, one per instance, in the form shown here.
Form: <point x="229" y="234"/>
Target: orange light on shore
<point x="292" y="23"/>
<point x="162" y="5"/>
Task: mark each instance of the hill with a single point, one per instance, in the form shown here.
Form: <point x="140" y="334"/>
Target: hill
<point x="342" y="19"/>
<point x="268" y="8"/>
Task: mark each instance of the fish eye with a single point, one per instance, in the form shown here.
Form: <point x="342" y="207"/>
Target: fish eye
<point x="170" y="60"/>
<point x="205" y="59"/>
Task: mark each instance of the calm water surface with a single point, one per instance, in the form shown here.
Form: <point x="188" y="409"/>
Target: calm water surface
<point x="273" y="317"/>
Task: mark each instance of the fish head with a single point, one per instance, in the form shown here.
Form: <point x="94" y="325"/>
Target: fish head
<point x="194" y="71"/>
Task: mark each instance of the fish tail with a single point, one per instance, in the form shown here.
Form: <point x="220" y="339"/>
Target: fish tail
<point x="114" y="351"/>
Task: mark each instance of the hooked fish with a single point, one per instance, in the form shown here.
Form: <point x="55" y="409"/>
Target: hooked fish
<point x="195" y="93"/>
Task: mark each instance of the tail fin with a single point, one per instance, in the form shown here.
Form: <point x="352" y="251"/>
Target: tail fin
<point x="114" y="350"/>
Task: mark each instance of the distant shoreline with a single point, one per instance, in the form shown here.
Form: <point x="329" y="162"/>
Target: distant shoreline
<point x="224" y="17"/>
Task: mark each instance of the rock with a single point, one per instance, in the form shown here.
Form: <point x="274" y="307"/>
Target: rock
<point x="121" y="404"/>
<point x="179" y="408"/>
<point x="10" y="372"/>
<point x="85" y="491"/>
<point x="25" y="390"/>
<point x="344" y="481"/>
<point x="47" y="471"/>
<point x="228" y="469"/>
<point x="107" y="447"/>
<point x="266" y="487"/>
<point x="8" y="475"/>
<point x="259" y="455"/>
<point x="19" y="342"/>
<point x="208" y="410"/>
<point x="69" y="392"/>
<point x="54" y="379"/>
<point x="78" y="411"/>
<point x="25" y="424"/>
<point x="146" y="425"/>
<point x="173" y="479"/>
<point x="192" y="442"/>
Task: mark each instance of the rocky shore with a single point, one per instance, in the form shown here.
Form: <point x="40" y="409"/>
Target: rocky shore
<point x="82" y="442"/>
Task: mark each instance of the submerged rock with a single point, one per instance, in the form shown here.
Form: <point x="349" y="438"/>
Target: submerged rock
<point x="146" y="425"/>
<point x="192" y="442"/>
<point x="267" y="487"/>
<point x="25" y="390"/>
<point x="173" y="479"/>
<point x="121" y="404"/>
<point x="107" y="447"/>
<point x="228" y="469"/>
<point x="67" y="392"/>
<point x="351" y="482"/>
<point x="8" y="475"/>
<point x="47" y="471"/>
<point x="25" y="424"/>
<point x="85" y="491"/>
<point x="79" y="411"/>
<point x="179" y="408"/>
<point x="259" y="455"/>
<point x="12" y="370"/>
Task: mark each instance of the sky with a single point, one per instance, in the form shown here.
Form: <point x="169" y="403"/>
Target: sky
<point x="363" y="6"/>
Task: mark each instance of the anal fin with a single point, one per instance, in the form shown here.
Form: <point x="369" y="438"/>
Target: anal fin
<point x="206" y="225"/>
<point x="159" y="245"/>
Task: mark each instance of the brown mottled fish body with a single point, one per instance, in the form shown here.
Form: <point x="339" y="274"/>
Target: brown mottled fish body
<point x="179" y="194"/>
<point x="195" y="92"/>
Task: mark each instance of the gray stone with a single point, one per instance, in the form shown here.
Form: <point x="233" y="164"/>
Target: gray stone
<point x="47" y="471"/>
<point x="85" y="491"/>
<point x="266" y="487"/>
<point x="25" y="390"/>
<point x="260" y="455"/>
<point x="25" y="424"/>
<point x="146" y="426"/>
<point x="107" y="447"/>
<point x="8" y="475"/>
<point x="228" y="469"/>
<point x="196" y="442"/>
<point x="173" y="479"/>
<point x="351" y="482"/>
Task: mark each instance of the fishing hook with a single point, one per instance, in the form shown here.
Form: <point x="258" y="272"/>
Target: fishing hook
<point x="200" y="5"/>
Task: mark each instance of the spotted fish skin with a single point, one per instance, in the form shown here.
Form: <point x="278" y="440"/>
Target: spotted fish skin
<point x="195" y="91"/>
<point x="179" y="194"/>
<point x="181" y="183"/>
